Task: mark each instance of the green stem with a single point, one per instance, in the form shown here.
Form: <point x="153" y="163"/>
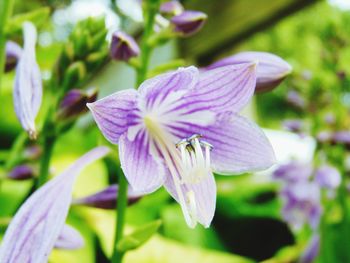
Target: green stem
<point x="6" y="7"/>
<point x="120" y="218"/>
<point x="49" y="143"/>
<point x="151" y="10"/>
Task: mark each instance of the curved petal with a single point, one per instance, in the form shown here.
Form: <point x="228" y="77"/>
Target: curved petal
<point x="239" y="145"/>
<point x="202" y="208"/>
<point x="145" y="173"/>
<point x="69" y="239"/>
<point x="222" y="89"/>
<point x="112" y="113"/>
<point x="163" y="91"/>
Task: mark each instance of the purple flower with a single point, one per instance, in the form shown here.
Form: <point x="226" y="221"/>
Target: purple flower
<point x="13" y="53"/>
<point x="293" y="172"/>
<point x="171" y="8"/>
<point x="123" y="47"/>
<point x="188" y="22"/>
<point x="21" y="172"/>
<point x="28" y="86"/>
<point x="181" y="126"/>
<point x="106" y="199"/>
<point x="302" y="204"/>
<point x="294" y="98"/>
<point x="342" y="137"/>
<point x="293" y="125"/>
<point x="271" y="69"/>
<point x="328" y="177"/>
<point x="69" y="239"/>
<point x="38" y="223"/>
<point x="312" y="250"/>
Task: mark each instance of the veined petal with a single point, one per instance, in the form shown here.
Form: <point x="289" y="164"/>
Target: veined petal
<point x="222" y="89"/>
<point x="36" y="226"/>
<point x="238" y="144"/>
<point x="199" y="199"/>
<point x="112" y="113"/>
<point x="144" y="171"/>
<point x="161" y="92"/>
<point x="69" y="239"/>
<point x="28" y="86"/>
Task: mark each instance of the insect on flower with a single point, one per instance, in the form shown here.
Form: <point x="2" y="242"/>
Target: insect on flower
<point x="179" y="128"/>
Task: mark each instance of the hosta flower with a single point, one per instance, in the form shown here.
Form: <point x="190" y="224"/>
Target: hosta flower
<point x="123" y="46"/>
<point x="13" y="52"/>
<point x="179" y="128"/>
<point x="28" y="86"/>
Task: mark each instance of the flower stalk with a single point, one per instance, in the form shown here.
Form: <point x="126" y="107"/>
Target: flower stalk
<point x="6" y="7"/>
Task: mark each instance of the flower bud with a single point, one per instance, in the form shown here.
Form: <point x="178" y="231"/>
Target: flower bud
<point x="13" y="53"/>
<point x="75" y="73"/>
<point x="328" y="177"/>
<point x="342" y="137"/>
<point x="74" y="103"/>
<point x="188" y="22"/>
<point x="171" y="8"/>
<point x="106" y="199"/>
<point x="21" y="172"/>
<point x="311" y="251"/>
<point x="295" y="126"/>
<point x="271" y="69"/>
<point x="123" y="47"/>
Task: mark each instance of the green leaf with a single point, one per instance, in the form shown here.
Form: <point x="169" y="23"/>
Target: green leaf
<point x="37" y="17"/>
<point x="139" y="236"/>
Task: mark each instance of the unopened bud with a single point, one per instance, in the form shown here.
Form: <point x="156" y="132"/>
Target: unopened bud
<point x="74" y="103"/>
<point x="75" y="73"/>
<point x="271" y="69"/>
<point x="123" y="47"/>
<point x="21" y="172"/>
<point x="171" y="8"/>
<point x="188" y="22"/>
<point x="106" y="199"/>
<point x="13" y="52"/>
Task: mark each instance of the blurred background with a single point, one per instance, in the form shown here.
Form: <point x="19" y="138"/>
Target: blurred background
<point x="313" y="36"/>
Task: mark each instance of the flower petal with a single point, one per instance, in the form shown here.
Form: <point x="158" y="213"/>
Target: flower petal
<point x="36" y="226"/>
<point x="222" y="89"/>
<point x="28" y="86"/>
<point x="144" y="171"/>
<point x="204" y="194"/>
<point x="69" y="239"/>
<point x="111" y="113"/>
<point x="164" y="90"/>
<point x="239" y="145"/>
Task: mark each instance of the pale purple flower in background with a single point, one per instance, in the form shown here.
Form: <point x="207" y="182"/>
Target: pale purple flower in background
<point x="38" y="223"/>
<point x="271" y="69"/>
<point x="293" y="172"/>
<point x="107" y="198"/>
<point x="179" y="128"/>
<point x="69" y="239"/>
<point x="123" y="46"/>
<point x="28" y="85"/>
<point x="342" y="137"/>
<point x="188" y="22"/>
<point x="294" y="125"/>
<point x="13" y="53"/>
<point x="302" y="204"/>
<point x="295" y="99"/>
<point x="312" y="250"/>
<point x="328" y="177"/>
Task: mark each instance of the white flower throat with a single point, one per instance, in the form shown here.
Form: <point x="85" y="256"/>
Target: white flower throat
<point x="188" y="162"/>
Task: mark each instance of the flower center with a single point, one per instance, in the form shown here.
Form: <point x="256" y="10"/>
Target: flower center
<point x="195" y="156"/>
<point x="188" y="164"/>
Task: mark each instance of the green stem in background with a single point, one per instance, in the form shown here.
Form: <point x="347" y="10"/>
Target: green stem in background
<point x="6" y="7"/>
<point x="49" y="143"/>
<point x="150" y="12"/>
<point x="120" y="220"/>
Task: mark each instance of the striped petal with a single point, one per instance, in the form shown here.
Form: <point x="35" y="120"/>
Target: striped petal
<point x="112" y="113"/>
<point x="198" y="200"/>
<point x="28" y="86"/>
<point x="38" y="223"/>
<point x="239" y="145"/>
<point x="222" y="89"/>
<point x="144" y="171"/>
<point x="69" y="239"/>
